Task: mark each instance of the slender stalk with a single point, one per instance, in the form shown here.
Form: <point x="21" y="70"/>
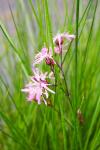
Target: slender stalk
<point x="63" y="77"/>
<point x="75" y="143"/>
<point x="66" y="53"/>
<point x="67" y="91"/>
<point x="76" y="50"/>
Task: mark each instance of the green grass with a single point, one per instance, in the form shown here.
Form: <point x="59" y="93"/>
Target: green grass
<point x="28" y="126"/>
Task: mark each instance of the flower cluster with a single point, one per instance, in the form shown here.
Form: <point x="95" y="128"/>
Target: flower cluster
<point x="38" y="87"/>
<point x="44" y="54"/>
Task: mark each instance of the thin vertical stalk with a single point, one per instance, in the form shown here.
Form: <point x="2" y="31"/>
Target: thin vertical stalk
<point x="76" y="77"/>
<point x="76" y="49"/>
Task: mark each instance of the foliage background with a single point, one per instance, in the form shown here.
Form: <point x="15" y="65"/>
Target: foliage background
<point x="24" y="28"/>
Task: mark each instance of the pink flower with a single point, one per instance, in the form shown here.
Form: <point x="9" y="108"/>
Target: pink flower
<point x="44" y="54"/>
<point x="58" y="49"/>
<point x="59" y="40"/>
<point x="37" y="88"/>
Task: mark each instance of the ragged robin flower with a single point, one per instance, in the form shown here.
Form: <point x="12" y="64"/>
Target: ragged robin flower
<point x="37" y="88"/>
<point x="45" y="54"/>
<point x="59" y="41"/>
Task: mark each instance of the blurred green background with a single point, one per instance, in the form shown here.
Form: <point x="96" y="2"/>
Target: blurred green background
<point x="25" y="26"/>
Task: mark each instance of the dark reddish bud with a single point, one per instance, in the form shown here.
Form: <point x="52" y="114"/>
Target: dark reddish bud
<point x="50" y="61"/>
<point x="62" y="41"/>
<point x="57" y="42"/>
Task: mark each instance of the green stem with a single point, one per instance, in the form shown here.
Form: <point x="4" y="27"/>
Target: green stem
<point x="76" y="77"/>
<point x="64" y="79"/>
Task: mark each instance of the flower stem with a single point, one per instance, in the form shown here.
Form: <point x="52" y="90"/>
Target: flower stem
<point x="67" y="92"/>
